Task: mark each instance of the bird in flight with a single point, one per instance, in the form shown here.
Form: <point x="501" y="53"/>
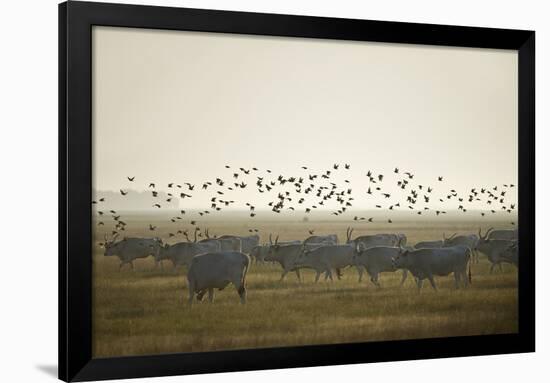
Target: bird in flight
<point x="123" y="192"/>
<point x="131" y="179"/>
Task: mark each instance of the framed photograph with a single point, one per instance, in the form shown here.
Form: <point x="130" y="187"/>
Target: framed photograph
<point x="244" y="191"/>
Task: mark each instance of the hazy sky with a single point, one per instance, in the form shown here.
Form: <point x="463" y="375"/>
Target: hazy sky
<point x="171" y="106"/>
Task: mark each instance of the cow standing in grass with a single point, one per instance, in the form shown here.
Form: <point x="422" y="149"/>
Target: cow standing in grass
<point x="211" y="271"/>
<point x="427" y="263"/>
<point x="324" y="259"/>
<point x="260" y="252"/>
<point x="376" y="260"/>
<point x="129" y="249"/>
<point x="495" y="249"/>
<point x="469" y="240"/>
<point x="285" y="255"/>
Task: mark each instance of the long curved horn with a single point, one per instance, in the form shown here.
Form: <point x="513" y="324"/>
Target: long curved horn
<point x="347" y="234"/>
<point x="276" y="239"/>
<point x="195" y="240"/>
<point x="489" y="232"/>
<point x="270" y="241"/>
<point x="400" y="245"/>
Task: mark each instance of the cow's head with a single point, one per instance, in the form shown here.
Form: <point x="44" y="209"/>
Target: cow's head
<point x="484" y="238"/>
<point x="273" y="249"/>
<point x="358" y="249"/>
<point x="401" y="259"/>
<point x="110" y="245"/>
<point x="401" y="239"/>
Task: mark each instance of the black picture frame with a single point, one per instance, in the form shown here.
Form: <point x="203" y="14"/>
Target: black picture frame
<point x="75" y="189"/>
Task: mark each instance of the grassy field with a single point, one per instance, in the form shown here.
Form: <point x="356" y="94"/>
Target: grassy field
<point x="145" y="311"/>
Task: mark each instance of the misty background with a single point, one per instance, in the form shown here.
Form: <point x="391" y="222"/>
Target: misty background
<point x="172" y="106"/>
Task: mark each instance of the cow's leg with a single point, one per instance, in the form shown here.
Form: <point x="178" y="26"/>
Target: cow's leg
<point x="339" y="274"/>
<point x="241" y="290"/>
<point x="201" y="294"/>
<point x="360" y="270"/>
<point x="191" y="293"/>
<point x="374" y="279"/>
<point x="500" y="266"/>
<point x="211" y="295"/>
<point x="419" y="283"/>
<point x="403" y="277"/>
<point x="298" y="275"/>
<point x="432" y="282"/>
<point x="492" y="268"/>
<point x="329" y="272"/>
<point x="457" y="279"/>
<point x="317" y="275"/>
<point x="283" y="275"/>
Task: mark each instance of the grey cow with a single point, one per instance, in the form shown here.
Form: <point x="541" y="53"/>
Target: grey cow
<point x="259" y="252"/>
<point x="469" y="240"/>
<point x="495" y="249"/>
<point x="129" y="249"/>
<point x="384" y="239"/>
<point x="182" y="253"/>
<point x="285" y="255"/>
<point x="427" y="263"/>
<point x="324" y="259"/>
<point x="376" y="260"/>
<point x="211" y="271"/>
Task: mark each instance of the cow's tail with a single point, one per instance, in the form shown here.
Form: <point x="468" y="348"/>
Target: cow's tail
<point x="245" y="271"/>
<point x="470" y="265"/>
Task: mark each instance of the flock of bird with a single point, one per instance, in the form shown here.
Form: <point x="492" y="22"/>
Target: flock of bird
<point x="311" y="191"/>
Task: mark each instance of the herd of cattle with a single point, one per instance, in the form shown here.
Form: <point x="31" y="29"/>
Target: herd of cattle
<point x="214" y="263"/>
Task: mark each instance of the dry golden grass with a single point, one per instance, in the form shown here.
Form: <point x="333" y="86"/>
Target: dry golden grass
<point x="145" y="311"/>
